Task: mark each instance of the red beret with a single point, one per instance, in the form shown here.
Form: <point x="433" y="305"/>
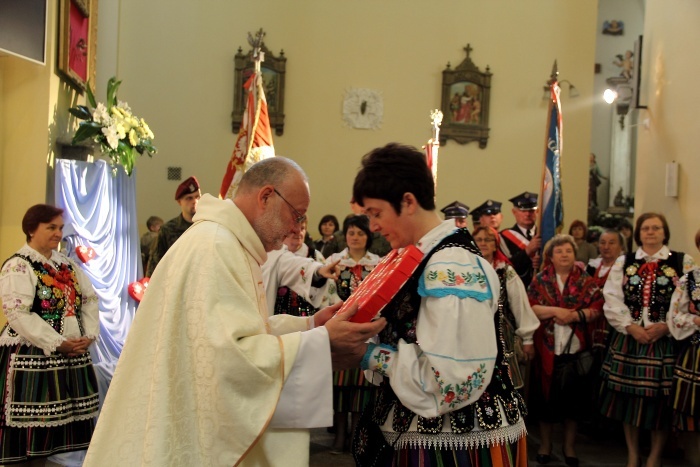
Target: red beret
<point x="191" y="185"/>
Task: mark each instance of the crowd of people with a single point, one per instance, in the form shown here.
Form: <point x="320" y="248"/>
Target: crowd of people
<point x="241" y="323"/>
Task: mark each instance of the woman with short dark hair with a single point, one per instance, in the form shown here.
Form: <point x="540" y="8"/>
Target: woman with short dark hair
<point x="327" y="244"/>
<point x="351" y="391"/>
<point x="637" y="299"/>
<point x="584" y="251"/>
<point x="48" y="387"/>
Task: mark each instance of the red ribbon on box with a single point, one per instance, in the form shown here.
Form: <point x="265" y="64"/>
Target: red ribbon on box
<point x="380" y="286"/>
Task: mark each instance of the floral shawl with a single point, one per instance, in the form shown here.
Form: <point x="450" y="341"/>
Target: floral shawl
<point x="580" y="291"/>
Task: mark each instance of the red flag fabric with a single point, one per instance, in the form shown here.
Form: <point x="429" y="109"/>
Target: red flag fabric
<point x="254" y="141"/>
<point x="429" y="154"/>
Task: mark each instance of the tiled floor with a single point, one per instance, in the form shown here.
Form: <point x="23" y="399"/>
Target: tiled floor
<point x="595" y="447"/>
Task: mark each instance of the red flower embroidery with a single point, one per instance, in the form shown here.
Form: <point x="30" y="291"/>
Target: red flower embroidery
<point x="449" y="397"/>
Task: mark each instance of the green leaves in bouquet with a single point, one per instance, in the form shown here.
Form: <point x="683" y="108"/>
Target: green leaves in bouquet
<point x="120" y="134"/>
<point x="86" y="130"/>
<point x="112" y="87"/>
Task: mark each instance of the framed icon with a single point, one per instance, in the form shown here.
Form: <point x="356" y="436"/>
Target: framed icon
<point x="77" y="38"/>
<point x="273" y="73"/>
<point x="466" y="93"/>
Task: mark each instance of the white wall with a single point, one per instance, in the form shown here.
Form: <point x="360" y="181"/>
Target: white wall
<point x="669" y="90"/>
<point x="631" y="12"/>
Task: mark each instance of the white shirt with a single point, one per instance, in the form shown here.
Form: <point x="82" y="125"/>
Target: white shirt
<point x="616" y="312"/>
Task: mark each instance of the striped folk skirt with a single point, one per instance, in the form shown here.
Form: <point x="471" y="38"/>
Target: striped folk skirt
<point x="636" y="381"/>
<point x="48" y="404"/>
<point x="686" y="386"/>
<point x="505" y="455"/>
<point x="351" y="391"/>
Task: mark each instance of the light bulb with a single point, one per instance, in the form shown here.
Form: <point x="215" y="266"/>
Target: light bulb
<point x="609" y="96"/>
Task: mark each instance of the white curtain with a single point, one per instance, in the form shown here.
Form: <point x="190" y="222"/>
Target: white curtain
<point x="100" y="212"/>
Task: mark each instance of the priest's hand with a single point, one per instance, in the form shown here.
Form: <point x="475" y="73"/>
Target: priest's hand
<point x="322" y="316"/>
<point x="349" y="340"/>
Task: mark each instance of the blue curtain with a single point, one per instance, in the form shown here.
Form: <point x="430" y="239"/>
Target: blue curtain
<point x="100" y="212"/>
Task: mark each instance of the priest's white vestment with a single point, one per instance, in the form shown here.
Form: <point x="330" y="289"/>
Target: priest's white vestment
<point x="205" y="377"/>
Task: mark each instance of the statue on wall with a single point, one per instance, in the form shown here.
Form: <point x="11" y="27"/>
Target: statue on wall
<point x="619" y="199"/>
<point x="626" y="62"/>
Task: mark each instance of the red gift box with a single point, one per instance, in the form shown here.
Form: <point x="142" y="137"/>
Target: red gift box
<point x="380" y="286"/>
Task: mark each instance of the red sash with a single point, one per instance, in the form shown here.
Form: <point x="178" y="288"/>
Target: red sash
<point x="516" y="237"/>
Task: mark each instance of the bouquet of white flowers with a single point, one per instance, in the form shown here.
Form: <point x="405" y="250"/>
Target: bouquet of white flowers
<point x="120" y="133"/>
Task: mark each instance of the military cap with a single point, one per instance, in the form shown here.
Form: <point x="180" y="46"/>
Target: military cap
<point x="488" y="207"/>
<point x="525" y="201"/>
<point x="191" y="185"/>
<point x="455" y="209"/>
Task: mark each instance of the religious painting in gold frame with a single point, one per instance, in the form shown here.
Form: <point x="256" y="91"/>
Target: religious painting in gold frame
<point x="273" y="72"/>
<point x="77" y="42"/>
<point x="466" y="92"/>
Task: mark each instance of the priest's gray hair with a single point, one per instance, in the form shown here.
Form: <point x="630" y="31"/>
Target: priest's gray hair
<point x="271" y="171"/>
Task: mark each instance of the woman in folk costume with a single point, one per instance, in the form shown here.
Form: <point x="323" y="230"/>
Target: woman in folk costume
<point x="288" y="301"/>
<point x="48" y="388"/>
<point x="684" y="324"/>
<point x="517" y="315"/>
<point x="351" y="392"/>
<point x="565" y="298"/>
<point x="637" y="298"/>
<point x="327" y="227"/>
<point x="611" y="245"/>
<point x="445" y="396"/>
<point x="297" y="282"/>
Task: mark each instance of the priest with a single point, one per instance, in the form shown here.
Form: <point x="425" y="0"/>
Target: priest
<point x="206" y="377"/>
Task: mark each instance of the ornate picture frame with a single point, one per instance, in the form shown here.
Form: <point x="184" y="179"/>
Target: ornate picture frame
<point x="466" y="93"/>
<point x="77" y="42"/>
<point x="273" y="71"/>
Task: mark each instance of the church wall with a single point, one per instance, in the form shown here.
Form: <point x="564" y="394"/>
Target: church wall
<point x="178" y="75"/>
<point x="34" y="104"/>
<point x="24" y="139"/>
<point x="673" y="132"/>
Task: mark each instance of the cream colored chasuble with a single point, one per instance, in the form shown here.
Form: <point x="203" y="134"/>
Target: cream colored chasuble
<point x="202" y="370"/>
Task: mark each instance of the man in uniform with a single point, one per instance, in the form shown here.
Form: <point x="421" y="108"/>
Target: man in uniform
<point x="489" y="213"/>
<point x="457" y="211"/>
<point x="521" y="240"/>
<point x="187" y="196"/>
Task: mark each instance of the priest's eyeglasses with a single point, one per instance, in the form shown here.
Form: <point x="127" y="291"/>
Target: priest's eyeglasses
<point x="300" y="218"/>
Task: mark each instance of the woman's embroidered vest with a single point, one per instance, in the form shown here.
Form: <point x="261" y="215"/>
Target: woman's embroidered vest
<point x="50" y="302"/>
<point x="506" y="325"/>
<point x="350" y="278"/>
<point x="693" y="277"/>
<point x="401" y="315"/>
<point x="288" y="302"/>
<point x="662" y="278"/>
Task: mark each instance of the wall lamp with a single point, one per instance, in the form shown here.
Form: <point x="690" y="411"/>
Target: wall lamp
<point x="573" y="92"/>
